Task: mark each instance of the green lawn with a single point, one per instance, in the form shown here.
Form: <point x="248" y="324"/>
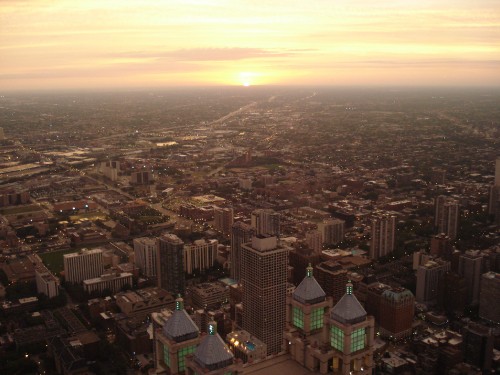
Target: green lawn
<point x="54" y="260"/>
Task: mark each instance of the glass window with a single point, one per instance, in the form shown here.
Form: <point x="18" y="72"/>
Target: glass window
<point x="166" y="355"/>
<point x="317" y="318"/>
<point x="181" y="356"/>
<point x="337" y="338"/>
<point x="298" y="317"/>
<point x="358" y="340"/>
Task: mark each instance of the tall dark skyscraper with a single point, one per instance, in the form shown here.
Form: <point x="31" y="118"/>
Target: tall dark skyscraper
<point x="263" y="276"/>
<point x="170" y="264"/>
<point x="240" y="233"/>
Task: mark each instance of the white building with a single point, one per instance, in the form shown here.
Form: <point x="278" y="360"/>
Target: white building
<point x="146" y="253"/>
<point x="113" y="281"/>
<point x="83" y="265"/>
<point x="332" y="231"/>
<point x="46" y="283"/>
<point x="382" y="235"/>
<point x="200" y="255"/>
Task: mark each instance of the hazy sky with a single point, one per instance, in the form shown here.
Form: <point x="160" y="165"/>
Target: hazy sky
<point x="154" y="43"/>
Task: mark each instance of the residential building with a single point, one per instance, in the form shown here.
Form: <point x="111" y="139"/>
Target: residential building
<point x="170" y="264"/>
<point x="146" y="255"/>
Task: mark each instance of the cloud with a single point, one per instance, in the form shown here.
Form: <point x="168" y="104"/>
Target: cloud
<point x="211" y="54"/>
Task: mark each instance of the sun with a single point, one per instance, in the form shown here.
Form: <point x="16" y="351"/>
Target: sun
<point x="247" y="78"/>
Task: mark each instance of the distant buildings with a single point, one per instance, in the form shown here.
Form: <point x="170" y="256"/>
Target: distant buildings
<point x="383" y="231"/>
<point x="264" y="278"/>
<point x="170" y="264"/>
<point x="86" y="264"/>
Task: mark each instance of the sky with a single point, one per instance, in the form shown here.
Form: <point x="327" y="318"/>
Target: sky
<point x="103" y="44"/>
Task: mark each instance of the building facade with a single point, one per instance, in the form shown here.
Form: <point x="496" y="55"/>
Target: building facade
<point x="240" y="233"/>
<point x="84" y="265"/>
<point x="332" y="231"/>
<point x="170" y="264"/>
<point x="264" y="279"/>
<point x="383" y="230"/>
<point x="146" y="254"/>
<point x="200" y="255"/>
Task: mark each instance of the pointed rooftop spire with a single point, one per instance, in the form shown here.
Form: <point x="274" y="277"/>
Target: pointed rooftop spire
<point x="179" y="303"/>
<point x="309" y="270"/>
<point x="349" y="288"/>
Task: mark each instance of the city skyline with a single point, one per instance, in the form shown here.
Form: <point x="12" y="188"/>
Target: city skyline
<point x="126" y="44"/>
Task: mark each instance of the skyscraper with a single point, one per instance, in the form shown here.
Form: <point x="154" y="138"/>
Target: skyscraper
<point x="446" y="217"/>
<point x="240" y="233"/>
<point x="146" y="254"/>
<point x="170" y="264"/>
<point x="266" y="222"/>
<point x="84" y="265"/>
<point x="264" y="265"/>
<point x="382" y="235"/>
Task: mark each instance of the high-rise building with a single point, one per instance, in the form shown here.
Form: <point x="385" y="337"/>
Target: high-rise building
<point x="170" y="264"/>
<point x="240" y="233"/>
<point x="113" y="282"/>
<point x="178" y="338"/>
<point x="446" y="217"/>
<point x="332" y="231"/>
<point x="489" y="308"/>
<point x="223" y="219"/>
<point x="441" y="246"/>
<point x="478" y="342"/>
<point x="200" y="255"/>
<point x="46" y="283"/>
<point x="397" y="307"/>
<point x="470" y="267"/>
<point x="383" y="232"/>
<point x="264" y="264"/>
<point x="146" y="254"/>
<point x="332" y="277"/>
<point x="266" y="222"/>
<point x="452" y="294"/>
<point x="314" y="241"/>
<point x="86" y="264"/>
<point x="2" y="135"/>
<point x="428" y="280"/>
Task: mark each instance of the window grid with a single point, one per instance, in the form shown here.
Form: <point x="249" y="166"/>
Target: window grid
<point x="298" y="317"/>
<point x="358" y="340"/>
<point x="337" y="338"/>
<point x="181" y="356"/>
<point x="317" y="318"/>
<point x="166" y="355"/>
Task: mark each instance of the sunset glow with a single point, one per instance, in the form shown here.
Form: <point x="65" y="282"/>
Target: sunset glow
<point x="126" y="43"/>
